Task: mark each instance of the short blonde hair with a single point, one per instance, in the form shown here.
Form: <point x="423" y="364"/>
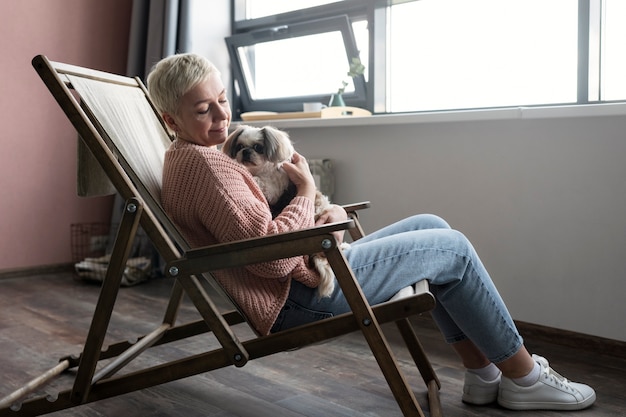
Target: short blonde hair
<point x="172" y="77"/>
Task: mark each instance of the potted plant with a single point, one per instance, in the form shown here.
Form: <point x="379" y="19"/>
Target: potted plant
<point x="356" y="69"/>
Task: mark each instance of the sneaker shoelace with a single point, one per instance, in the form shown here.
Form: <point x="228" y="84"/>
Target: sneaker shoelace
<point x="552" y="375"/>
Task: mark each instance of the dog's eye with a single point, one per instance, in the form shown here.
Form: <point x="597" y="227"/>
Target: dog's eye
<point x="238" y="147"/>
<point x="258" y="148"/>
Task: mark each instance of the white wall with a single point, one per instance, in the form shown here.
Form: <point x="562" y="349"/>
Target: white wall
<point x="543" y="201"/>
<point x="208" y="39"/>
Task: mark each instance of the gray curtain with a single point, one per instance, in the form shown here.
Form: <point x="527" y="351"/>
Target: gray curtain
<point x="158" y="29"/>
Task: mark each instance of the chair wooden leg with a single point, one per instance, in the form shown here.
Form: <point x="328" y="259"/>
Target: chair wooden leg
<point x="106" y="301"/>
<point x="34" y="384"/>
<point x="131" y="353"/>
<point x="176" y="297"/>
<point x="395" y="378"/>
<point x="423" y="365"/>
<point x="434" y="402"/>
<point x="374" y="336"/>
<point x="216" y="322"/>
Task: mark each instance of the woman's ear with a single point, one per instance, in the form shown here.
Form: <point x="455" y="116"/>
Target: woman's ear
<point x="170" y="121"/>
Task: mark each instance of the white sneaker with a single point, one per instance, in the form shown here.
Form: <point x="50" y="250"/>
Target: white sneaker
<point x="477" y="391"/>
<point x="550" y="392"/>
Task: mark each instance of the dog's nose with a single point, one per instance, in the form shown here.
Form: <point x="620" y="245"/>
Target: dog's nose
<point x="245" y="154"/>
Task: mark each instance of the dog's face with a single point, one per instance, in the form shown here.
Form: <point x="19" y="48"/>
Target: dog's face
<point x="256" y="148"/>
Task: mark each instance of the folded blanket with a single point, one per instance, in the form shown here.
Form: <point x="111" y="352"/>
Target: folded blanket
<point x="91" y="181"/>
<point x="94" y="269"/>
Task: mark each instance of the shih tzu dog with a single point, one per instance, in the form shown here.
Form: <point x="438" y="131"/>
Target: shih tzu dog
<point x="263" y="151"/>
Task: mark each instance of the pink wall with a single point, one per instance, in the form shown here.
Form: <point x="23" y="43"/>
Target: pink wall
<point x="38" y="157"/>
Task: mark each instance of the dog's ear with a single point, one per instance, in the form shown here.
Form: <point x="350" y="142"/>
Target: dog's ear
<point x="278" y="146"/>
<point x="230" y="143"/>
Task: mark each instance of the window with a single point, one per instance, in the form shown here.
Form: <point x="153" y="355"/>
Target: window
<point x="254" y="9"/>
<point x="282" y="66"/>
<point x="445" y="55"/>
<point x="430" y="55"/>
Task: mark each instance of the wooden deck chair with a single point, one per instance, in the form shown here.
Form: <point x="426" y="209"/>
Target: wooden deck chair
<point x="101" y="106"/>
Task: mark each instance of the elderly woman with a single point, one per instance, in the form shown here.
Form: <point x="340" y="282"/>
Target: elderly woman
<point x="213" y="199"/>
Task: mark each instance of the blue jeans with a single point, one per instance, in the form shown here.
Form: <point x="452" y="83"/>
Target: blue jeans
<point x="399" y="255"/>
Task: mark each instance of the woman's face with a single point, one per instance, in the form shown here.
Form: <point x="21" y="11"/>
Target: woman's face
<point x="203" y="114"/>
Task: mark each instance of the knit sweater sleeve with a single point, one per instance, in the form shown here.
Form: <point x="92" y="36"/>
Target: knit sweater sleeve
<point x="214" y="199"/>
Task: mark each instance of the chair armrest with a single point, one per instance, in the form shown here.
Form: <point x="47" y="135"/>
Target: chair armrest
<point x="356" y="206"/>
<point x="259" y="249"/>
<point x="357" y="231"/>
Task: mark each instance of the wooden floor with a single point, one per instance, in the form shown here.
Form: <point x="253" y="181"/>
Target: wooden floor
<point x="43" y="318"/>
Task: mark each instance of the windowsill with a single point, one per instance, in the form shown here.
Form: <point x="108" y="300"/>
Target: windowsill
<point x="510" y="113"/>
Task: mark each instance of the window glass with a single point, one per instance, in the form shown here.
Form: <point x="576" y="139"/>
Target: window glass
<point x="448" y="54"/>
<point x="293" y="67"/>
<point x="613" y="66"/>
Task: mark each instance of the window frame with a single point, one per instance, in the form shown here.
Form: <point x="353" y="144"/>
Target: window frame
<point x="375" y="13"/>
<point x="289" y="30"/>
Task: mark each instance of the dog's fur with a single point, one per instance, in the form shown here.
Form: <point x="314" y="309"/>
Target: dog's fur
<point x="263" y="151"/>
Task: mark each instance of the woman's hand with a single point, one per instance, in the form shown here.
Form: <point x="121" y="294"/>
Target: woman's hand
<point x="300" y="174"/>
<point x="333" y="214"/>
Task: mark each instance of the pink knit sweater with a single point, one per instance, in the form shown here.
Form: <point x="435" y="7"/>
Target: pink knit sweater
<point x="213" y="199"/>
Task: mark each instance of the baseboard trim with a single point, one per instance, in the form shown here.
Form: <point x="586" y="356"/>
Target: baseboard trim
<point x="36" y="270"/>
<point x="566" y="338"/>
<point x="571" y="339"/>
